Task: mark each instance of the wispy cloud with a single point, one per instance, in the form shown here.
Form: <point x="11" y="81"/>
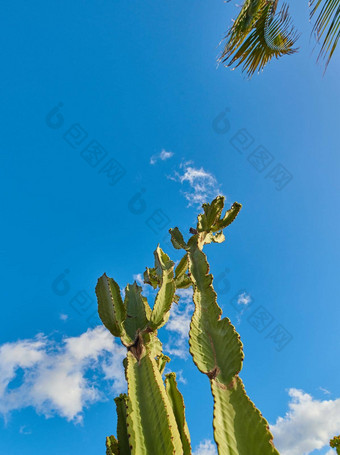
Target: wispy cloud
<point x="179" y="324"/>
<point x="59" y="377"/>
<point x="201" y="185"/>
<point x="206" y="447"/>
<point x="63" y="317"/>
<point x="308" y="425"/>
<point x="243" y="300"/>
<point x="180" y="377"/>
<point x="24" y="430"/>
<point x="325" y="391"/>
<point x="163" y="156"/>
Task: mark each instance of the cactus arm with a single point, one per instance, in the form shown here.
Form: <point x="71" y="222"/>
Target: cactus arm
<point x="161" y="361"/>
<point x="216" y="238"/>
<point x="137" y="309"/>
<point x="211" y="338"/>
<point x="177" y="239"/>
<point x="239" y="427"/>
<point x="182" y="279"/>
<point x="212" y="213"/>
<point x="229" y="216"/>
<point x="112" y="446"/>
<point x="151" y="422"/>
<point x="177" y="403"/>
<point x="211" y="221"/>
<point x="182" y="267"/>
<point x="151" y="278"/>
<point x="122" y="434"/>
<point x="165" y="295"/>
<point x="183" y="282"/>
<point x="210" y="224"/>
<point x="111" y="309"/>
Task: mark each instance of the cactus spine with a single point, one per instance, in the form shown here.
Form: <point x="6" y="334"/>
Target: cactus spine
<point x="151" y="417"/>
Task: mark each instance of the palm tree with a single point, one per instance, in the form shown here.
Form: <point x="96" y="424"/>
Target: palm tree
<point x="261" y="32"/>
<point x="328" y="25"/>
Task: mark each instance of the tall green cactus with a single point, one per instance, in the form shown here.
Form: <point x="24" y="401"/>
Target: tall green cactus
<point x="151" y="416"/>
<point x="147" y="405"/>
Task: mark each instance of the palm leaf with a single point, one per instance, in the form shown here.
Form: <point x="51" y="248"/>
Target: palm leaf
<point x="327" y="24"/>
<point x="258" y="35"/>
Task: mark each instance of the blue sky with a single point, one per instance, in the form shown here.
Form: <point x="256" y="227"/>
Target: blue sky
<point x="131" y="80"/>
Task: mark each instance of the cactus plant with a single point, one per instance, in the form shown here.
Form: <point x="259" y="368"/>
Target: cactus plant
<point x="153" y="403"/>
<point x="335" y="444"/>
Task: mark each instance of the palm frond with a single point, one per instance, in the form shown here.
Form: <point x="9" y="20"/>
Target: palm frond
<point x="327" y="24"/>
<point x="258" y="35"/>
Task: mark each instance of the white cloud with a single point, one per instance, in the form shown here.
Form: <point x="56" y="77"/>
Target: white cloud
<point x="59" y="377"/>
<point x="163" y="156"/>
<point x="206" y="447"/>
<point x="325" y="391"/>
<point x="63" y="317"/>
<point x="308" y="425"/>
<point x="244" y="299"/>
<point x="24" y="430"/>
<point x="180" y="377"/>
<point x="179" y="323"/>
<point x="203" y="186"/>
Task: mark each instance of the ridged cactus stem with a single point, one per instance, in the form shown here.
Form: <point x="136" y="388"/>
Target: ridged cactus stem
<point x="151" y="422"/>
<point x="239" y="428"/>
<point x="151" y="418"/>
<point x="177" y="404"/>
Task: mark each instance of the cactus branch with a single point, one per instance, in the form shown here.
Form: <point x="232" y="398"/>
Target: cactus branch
<point x="112" y="446"/>
<point x="122" y="434"/>
<point x="152" y="425"/>
<point x="177" y="403"/>
<point x="239" y="428"/>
